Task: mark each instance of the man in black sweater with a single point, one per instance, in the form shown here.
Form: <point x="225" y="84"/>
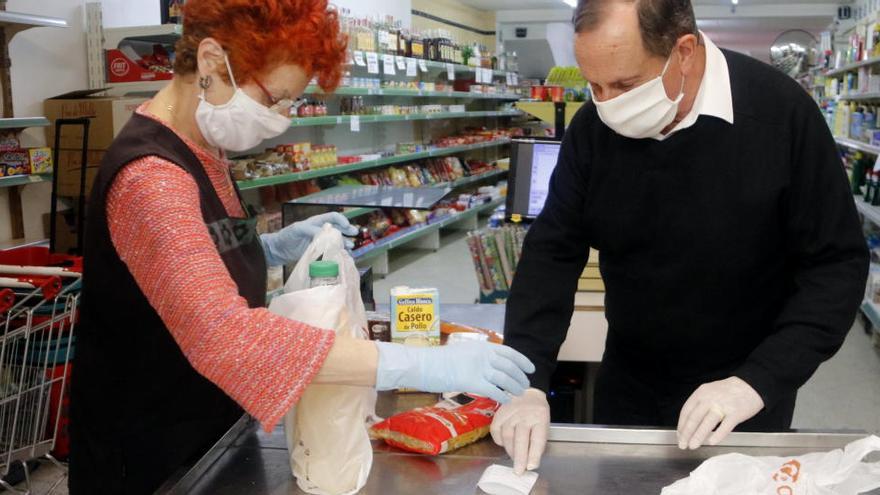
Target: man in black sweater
<point x="730" y="247"/>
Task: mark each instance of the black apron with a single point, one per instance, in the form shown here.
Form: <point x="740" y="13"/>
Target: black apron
<point x="139" y="411"/>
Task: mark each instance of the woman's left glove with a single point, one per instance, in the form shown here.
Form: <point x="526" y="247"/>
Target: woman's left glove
<point x="289" y="244"/>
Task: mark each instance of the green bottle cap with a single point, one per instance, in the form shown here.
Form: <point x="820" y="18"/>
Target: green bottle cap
<point x="323" y="269"/>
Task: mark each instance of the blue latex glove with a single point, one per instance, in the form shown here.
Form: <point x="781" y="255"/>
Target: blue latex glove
<point x="480" y="368"/>
<point x="289" y="244"/>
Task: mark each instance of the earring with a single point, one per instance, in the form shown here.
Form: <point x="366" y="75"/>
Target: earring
<point x="205" y="82"/>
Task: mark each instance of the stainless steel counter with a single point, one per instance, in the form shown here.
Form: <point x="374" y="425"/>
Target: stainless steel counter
<point x="579" y="460"/>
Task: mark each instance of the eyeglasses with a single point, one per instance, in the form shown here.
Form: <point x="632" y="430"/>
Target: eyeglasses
<point x="284" y="106"/>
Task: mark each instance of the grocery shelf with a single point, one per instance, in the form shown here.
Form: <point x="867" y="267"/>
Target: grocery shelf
<point x="13" y="22"/>
<point x="872" y="312"/>
<point x="369" y="119"/>
<point x="356" y="212"/>
<point x="859" y="96"/>
<point x="351" y="91"/>
<point x="23" y="122"/>
<point x="23" y="243"/>
<point x="412" y="233"/>
<point x="872" y="213"/>
<point x="430" y="64"/>
<point x="363" y="196"/>
<point x="131" y="88"/>
<point x="164" y="34"/>
<point x="474" y="178"/>
<point x="354" y="167"/>
<point x="23" y="180"/>
<point x="857" y="145"/>
<point x="852" y="66"/>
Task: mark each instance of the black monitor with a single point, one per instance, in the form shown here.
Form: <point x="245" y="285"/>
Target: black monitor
<point x="531" y="164"/>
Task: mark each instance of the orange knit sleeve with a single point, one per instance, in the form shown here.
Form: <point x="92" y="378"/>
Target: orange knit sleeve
<point x="261" y="360"/>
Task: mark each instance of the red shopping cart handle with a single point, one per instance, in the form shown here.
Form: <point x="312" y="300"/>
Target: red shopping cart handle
<point x="7" y="300"/>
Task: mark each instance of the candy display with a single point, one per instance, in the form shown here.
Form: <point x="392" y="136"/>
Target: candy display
<point x="24" y="161"/>
<point x="449" y="425"/>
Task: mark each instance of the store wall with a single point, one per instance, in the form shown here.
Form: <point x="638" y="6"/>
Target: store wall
<point x="45" y="62"/>
<point x="459" y="13"/>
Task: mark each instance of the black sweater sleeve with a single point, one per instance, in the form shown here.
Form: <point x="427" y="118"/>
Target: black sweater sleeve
<point x="828" y="253"/>
<point x="554" y="254"/>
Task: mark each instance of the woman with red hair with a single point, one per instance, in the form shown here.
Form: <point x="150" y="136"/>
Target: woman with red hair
<point x="175" y="342"/>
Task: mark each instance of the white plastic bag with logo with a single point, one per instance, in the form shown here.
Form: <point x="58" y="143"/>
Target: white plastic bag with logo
<point x="330" y="450"/>
<point x="839" y="472"/>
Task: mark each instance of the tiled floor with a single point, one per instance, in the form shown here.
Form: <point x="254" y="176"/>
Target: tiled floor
<point x="843" y="394"/>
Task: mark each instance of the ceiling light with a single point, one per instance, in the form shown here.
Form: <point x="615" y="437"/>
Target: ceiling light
<point x="735" y="2"/>
<point x="571" y="3"/>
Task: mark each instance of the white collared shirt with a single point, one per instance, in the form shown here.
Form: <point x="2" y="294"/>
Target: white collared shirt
<point x="714" y="96"/>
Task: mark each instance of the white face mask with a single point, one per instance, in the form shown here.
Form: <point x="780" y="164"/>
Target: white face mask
<point x="641" y="112"/>
<point x="239" y="124"/>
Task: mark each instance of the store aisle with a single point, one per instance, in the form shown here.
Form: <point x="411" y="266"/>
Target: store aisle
<point x="450" y="270"/>
<point x="845" y="391"/>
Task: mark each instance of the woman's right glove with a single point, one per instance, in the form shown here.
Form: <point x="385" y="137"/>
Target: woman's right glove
<point x="480" y="368"/>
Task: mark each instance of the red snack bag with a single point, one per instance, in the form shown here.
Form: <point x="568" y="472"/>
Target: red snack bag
<point x="449" y="425"/>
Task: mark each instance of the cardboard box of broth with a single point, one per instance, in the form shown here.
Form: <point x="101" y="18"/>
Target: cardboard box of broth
<point x="415" y="316"/>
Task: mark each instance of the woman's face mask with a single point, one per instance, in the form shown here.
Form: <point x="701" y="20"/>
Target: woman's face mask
<point x="239" y="124"/>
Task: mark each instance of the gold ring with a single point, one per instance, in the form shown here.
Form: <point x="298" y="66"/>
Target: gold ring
<point x="717" y="410"/>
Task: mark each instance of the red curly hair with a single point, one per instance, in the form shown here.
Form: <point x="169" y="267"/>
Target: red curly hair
<point x="259" y="35"/>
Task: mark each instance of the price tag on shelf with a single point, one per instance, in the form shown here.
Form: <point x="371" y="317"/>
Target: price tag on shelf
<point x="509" y="78"/>
<point x="401" y="63"/>
<point x="359" y="59"/>
<point x="478" y="76"/>
<point x="411" y="67"/>
<point x="372" y="63"/>
<point x="515" y="77"/>
<point x="487" y="76"/>
<point x="450" y="72"/>
<point x="388" y="65"/>
<point x="355" y="123"/>
<point x="423" y="65"/>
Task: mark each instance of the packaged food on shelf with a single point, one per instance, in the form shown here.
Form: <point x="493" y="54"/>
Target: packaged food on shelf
<point x="9" y="140"/>
<point x="126" y="64"/>
<point x="14" y="162"/>
<point x="40" y="160"/>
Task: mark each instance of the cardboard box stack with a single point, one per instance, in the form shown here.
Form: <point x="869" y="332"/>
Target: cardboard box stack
<point x="108" y="115"/>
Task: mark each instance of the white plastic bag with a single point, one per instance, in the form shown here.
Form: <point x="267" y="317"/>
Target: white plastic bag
<point x="330" y="450"/>
<point x="839" y="472"/>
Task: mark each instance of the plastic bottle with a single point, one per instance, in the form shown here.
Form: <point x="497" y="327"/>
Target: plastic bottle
<point x="323" y="273"/>
<point x="855" y="123"/>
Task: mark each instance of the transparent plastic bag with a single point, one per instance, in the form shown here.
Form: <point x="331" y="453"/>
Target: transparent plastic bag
<point x="839" y="472"/>
<point x="327" y="437"/>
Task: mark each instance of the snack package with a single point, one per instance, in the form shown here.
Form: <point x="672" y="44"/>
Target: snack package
<point x="449" y="425"/>
<point x="40" y="160"/>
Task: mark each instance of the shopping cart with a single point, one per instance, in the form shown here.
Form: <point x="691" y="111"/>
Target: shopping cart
<point x="39" y="293"/>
